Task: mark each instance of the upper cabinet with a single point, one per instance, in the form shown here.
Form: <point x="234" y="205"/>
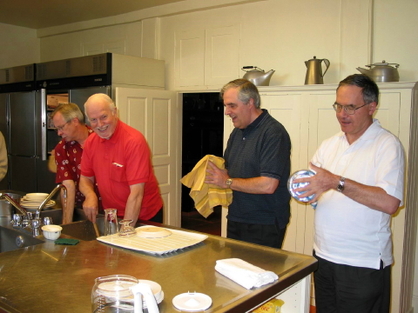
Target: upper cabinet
<point x="206" y="58"/>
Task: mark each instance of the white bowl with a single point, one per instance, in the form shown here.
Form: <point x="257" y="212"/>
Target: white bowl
<point x="37" y="196"/>
<point x="51" y="232"/>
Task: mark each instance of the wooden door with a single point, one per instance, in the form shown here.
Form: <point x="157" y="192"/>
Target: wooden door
<point x="156" y="114"/>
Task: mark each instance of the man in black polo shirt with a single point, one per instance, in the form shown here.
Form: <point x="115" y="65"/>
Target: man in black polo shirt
<point x="257" y="160"/>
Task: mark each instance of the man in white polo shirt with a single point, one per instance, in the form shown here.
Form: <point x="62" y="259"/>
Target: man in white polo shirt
<point x="358" y="186"/>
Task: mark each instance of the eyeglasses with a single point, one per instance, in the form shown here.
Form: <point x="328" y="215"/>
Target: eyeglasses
<point x="61" y="128"/>
<point x="349" y="109"/>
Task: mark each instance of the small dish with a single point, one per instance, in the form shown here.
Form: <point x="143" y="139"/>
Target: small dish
<point x="152" y="232"/>
<point x="51" y="232"/>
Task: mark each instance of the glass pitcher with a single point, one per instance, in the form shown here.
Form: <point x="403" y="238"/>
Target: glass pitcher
<point x="122" y="294"/>
<point x="113" y="294"/>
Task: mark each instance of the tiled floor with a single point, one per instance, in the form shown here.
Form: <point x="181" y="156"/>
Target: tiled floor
<point x="194" y="221"/>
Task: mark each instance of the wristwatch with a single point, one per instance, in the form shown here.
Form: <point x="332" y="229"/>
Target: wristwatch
<point x="340" y="187"/>
<point x="228" y="182"/>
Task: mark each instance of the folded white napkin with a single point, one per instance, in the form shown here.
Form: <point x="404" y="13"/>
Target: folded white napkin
<point x="244" y="273"/>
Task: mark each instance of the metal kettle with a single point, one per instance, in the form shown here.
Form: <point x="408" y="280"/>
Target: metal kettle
<point x="381" y="72"/>
<point x="257" y="76"/>
<point x="314" y="71"/>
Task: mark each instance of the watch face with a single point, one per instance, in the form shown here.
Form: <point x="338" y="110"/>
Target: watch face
<point x="291" y="186"/>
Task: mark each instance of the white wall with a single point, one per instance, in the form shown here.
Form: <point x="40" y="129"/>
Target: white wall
<point x="18" y="46"/>
<point x="121" y="39"/>
<point x="395" y="35"/>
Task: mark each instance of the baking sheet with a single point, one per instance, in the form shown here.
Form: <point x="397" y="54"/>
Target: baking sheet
<point x="176" y="241"/>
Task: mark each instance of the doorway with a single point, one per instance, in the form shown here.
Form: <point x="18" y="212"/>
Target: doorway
<point x="203" y="127"/>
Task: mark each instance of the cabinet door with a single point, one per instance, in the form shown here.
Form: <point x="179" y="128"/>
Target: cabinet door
<point x="207" y="57"/>
<point x="189" y="58"/>
<point x="155" y="114"/>
<point x="221" y="50"/>
<point x="286" y="108"/>
<point x="321" y="124"/>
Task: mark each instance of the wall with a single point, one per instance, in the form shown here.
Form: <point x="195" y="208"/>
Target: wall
<point x="18" y="46"/>
<point x="121" y="39"/>
<point x="395" y="38"/>
<point x="274" y="34"/>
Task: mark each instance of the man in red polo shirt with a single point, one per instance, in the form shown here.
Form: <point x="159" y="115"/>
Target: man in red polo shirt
<point x="117" y="158"/>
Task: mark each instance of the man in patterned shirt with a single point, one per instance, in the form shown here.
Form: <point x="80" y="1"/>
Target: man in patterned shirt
<point x="69" y="123"/>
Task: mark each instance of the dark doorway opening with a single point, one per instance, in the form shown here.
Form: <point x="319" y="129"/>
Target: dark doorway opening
<point x="203" y="124"/>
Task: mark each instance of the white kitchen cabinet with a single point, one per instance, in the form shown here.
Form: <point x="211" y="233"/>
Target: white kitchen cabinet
<point x="307" y="114"/>
<point x="206" y="57"/>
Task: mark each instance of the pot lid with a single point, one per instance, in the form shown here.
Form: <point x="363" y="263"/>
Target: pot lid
<point x="192" y="302"/>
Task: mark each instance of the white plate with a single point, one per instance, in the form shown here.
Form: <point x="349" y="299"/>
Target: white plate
<point x="32" y="205"/>
<point x="36" y="196"/>
<point x="30" y="201"/>
<point x="152" y="232"/>
<point x="192" y="302"/>
<point x="291" y="186"/>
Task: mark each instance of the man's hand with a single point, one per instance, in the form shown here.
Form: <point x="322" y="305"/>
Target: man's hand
<point x="91" y="208"/>
<point x="318" y="184"/>
<point x="91" y="203"/>
<point x="216" y="176"/>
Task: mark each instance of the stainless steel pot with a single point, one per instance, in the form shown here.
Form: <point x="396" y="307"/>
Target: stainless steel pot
<point x="381" y="72"/>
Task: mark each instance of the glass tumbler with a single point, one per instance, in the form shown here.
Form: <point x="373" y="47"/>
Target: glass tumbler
<point x="126" y="230"/>
<point x="110" y="222"/>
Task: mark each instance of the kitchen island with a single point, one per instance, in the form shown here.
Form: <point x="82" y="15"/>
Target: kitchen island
<point x="58" y="278"/>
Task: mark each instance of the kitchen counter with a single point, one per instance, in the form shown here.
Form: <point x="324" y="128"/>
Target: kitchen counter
<point x="57" y="278"/>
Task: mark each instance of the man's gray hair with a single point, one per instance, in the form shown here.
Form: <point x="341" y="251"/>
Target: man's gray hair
<point x="69" y="111"/>
<point x="246" y="91"/>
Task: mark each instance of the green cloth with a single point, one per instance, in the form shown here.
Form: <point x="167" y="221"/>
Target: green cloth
<point x="67" y="241"/>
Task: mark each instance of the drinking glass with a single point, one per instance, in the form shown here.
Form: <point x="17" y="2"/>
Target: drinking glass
<point x="126" y="230"/>
<point x="110" y="222"/>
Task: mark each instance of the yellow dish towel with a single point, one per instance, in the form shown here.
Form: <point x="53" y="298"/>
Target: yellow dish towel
<point x="206" y="196"/>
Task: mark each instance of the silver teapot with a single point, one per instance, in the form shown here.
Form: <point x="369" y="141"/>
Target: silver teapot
<point x="257" y="76"/>
<point x="381" y="72"/>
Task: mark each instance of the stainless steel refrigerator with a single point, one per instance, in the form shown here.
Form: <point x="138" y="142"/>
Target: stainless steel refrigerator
<point x="19" y="103"/>
<point x="30" y="135"/>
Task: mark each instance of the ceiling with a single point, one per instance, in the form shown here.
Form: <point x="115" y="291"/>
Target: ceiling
<point x="38" y="14"/>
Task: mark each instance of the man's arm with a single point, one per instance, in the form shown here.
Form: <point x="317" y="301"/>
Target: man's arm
<point x="254" y="185"/>
<point x="134" y="202"/>
<point x="371" y="196"/>
<point x="68" y="202"/>
<point x="91" y="203"/>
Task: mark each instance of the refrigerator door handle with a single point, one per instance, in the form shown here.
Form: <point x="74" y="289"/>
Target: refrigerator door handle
<point x="44" y="117"/>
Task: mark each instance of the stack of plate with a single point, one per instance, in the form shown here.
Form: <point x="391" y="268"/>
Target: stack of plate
<point x="32" y="201"/>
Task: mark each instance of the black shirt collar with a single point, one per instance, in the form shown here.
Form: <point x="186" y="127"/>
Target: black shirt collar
<point x="254" y="124"/>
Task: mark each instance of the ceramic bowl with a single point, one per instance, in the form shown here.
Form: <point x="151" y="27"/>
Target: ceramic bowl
<point x="37" y="196"/>
<point x="51" y="232"/>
